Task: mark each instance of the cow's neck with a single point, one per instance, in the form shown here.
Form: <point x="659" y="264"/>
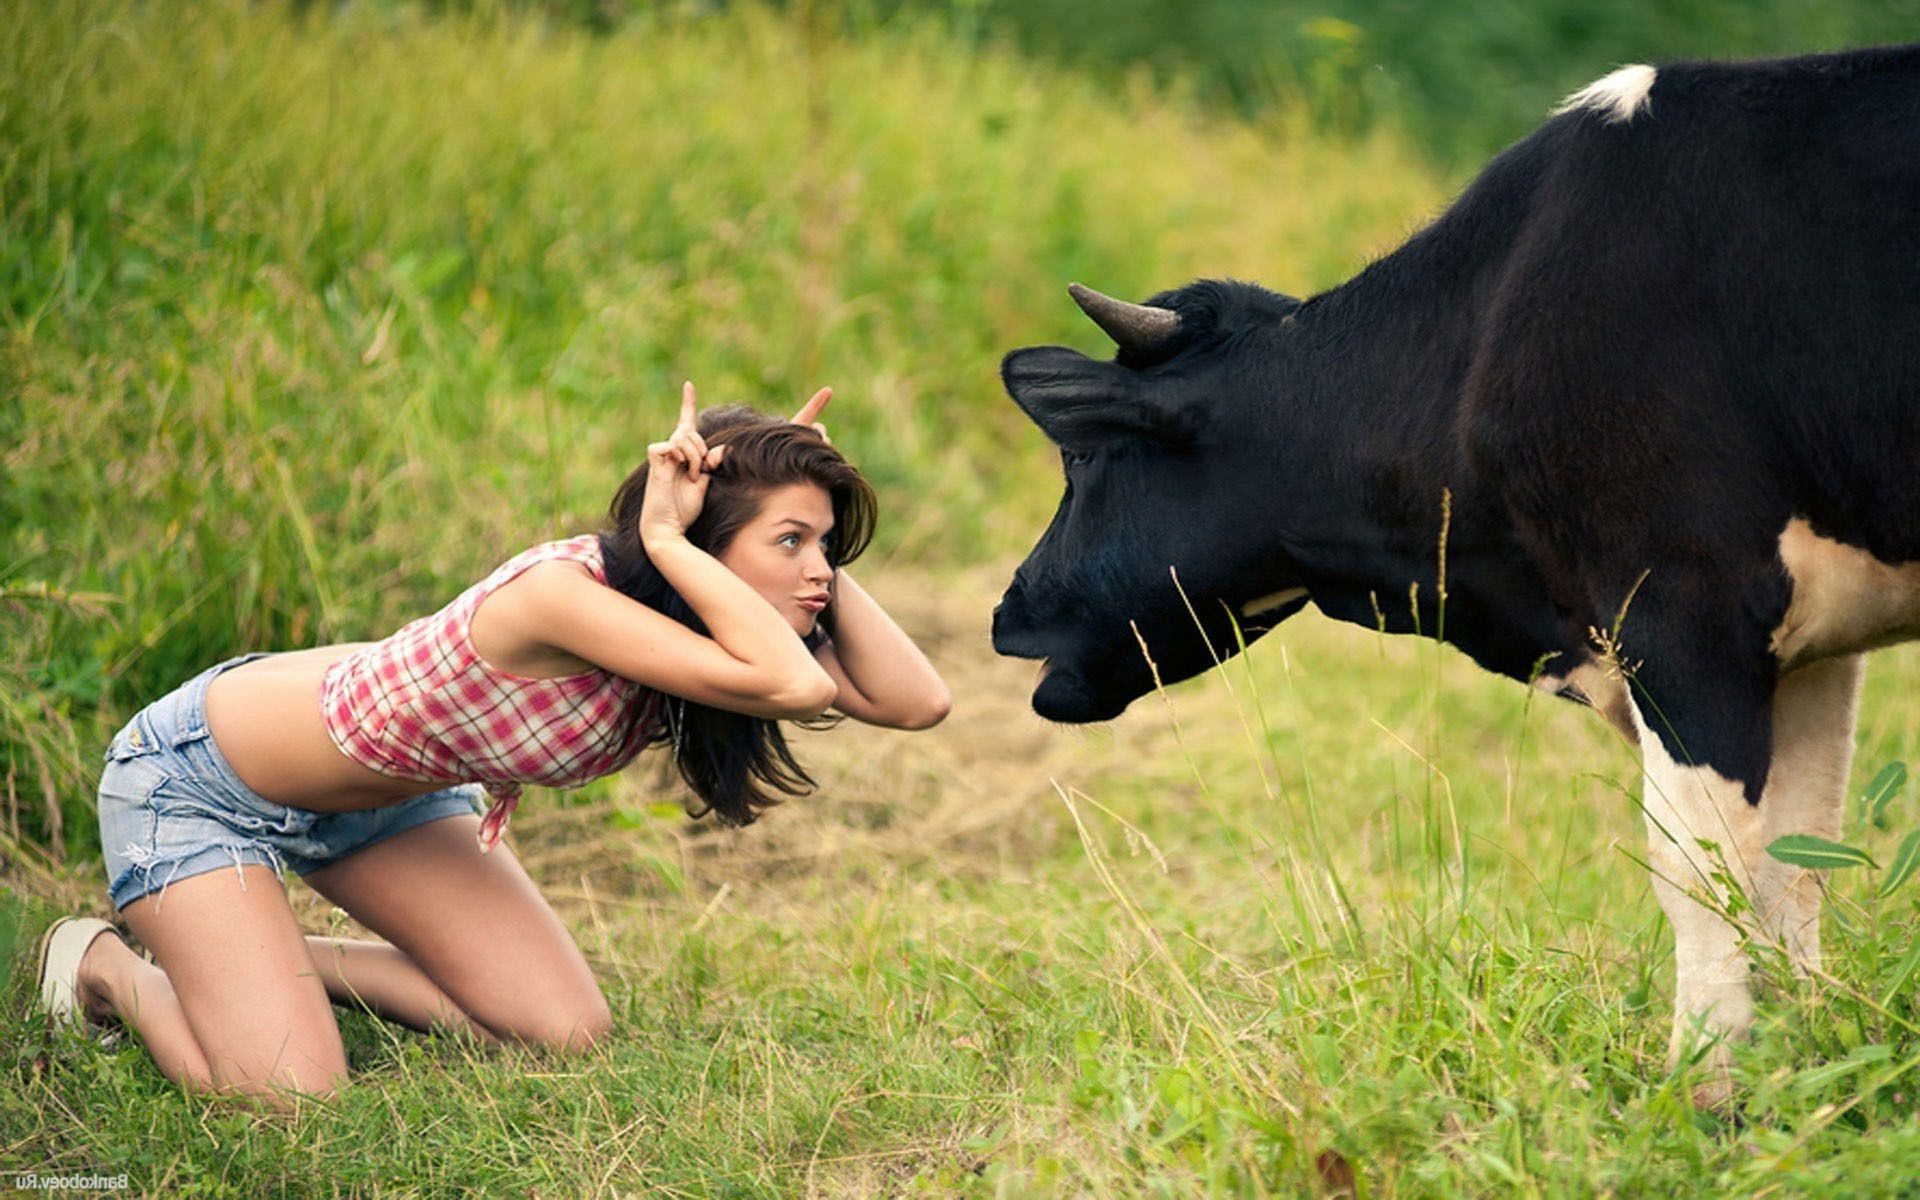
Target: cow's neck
<point x="1376" y="370"/>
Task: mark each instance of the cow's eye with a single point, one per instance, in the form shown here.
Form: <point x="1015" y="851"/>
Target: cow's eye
<point x="1073" y="458"/>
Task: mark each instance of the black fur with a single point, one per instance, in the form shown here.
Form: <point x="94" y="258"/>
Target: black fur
<point x="1627" y="355"/>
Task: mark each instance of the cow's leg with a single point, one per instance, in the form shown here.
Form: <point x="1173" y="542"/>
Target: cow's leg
<point x="1813" y="716"/>
<point x="1703" y="687"/>
<point x="1704" y="839"/>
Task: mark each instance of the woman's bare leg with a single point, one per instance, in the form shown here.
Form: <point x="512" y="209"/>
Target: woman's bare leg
<point x="381" y="978"/>
<point x="558" y="1003"/>
<point x="114" y="981"/>
<point x="240" y="973"/>
<point x="478" y="927"/>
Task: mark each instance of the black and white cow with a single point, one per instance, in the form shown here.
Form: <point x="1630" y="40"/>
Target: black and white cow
<point x="1658" y="369"/>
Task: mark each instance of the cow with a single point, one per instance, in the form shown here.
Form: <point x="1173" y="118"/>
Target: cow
<point x="1635" y="420"/>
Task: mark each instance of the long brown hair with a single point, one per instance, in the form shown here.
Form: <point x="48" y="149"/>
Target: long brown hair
<point x="736" y="763"/>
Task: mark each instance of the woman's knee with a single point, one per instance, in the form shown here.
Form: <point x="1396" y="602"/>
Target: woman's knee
<point x="574" y="1023"/>
<point x="287" y="1089"/>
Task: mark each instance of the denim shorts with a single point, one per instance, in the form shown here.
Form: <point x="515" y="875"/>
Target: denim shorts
<point x="171" y="807"/>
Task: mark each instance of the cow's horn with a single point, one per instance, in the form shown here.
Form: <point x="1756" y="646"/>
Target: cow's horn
<point x="1136" y="327"/>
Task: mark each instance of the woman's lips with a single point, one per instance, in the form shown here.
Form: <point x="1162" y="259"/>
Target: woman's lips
<point x="814" y="603"/>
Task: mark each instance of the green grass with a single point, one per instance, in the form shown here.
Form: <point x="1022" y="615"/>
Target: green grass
<point x="1398" y="922"/>
<point x="1462" y="86"/>
<point x="306" y="323"/>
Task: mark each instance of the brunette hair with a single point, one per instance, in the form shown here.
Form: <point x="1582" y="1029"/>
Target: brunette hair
<point x="736" y="763"/>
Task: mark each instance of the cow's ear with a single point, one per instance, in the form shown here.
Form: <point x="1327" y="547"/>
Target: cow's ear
<point x="1076" y="400"/>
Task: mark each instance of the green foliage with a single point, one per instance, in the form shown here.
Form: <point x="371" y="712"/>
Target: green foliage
<point x="1816" y="853"/>
<point x="1880" y="793"/>
<point x="1905" y="861"/>
<point x="1465" y="80"/>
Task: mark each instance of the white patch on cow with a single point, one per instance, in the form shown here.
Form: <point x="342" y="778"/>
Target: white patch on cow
<point x="1844" y="599"/>
<point x="1699" y="827"/>
<point x="1616" y="97"/>
<point x="1264" y="604"/>
<point x="1813" y="719"/>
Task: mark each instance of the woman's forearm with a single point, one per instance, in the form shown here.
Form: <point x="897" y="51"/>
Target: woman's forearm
<point x="881" y="660"/>
<point x="737" y="617"/>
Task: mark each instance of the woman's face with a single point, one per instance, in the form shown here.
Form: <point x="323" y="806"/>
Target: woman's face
<point x="782" y="552"/>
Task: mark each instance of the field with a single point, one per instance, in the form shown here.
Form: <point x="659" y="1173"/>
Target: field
<point x="307" y="316"/>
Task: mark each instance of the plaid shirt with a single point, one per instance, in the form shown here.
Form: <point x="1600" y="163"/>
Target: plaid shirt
<point x="423" y="706"/>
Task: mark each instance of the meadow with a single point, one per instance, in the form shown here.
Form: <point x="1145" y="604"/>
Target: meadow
<point x="311" y="316"/>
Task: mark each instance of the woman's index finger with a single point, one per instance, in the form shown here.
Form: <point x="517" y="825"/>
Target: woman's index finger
<point x="687" y="409"/>
<point x="810" y="411"/>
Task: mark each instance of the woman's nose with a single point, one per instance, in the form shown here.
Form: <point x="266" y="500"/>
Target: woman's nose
<point x="818" y="569"/>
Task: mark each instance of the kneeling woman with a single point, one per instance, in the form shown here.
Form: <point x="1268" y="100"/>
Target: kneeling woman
<point x="712" y="607"/>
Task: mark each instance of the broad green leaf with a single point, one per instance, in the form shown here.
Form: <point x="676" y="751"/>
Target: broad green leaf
<point x="1817" y="853"/>
<point x="1905" y="861"/>
<point x="1815" y="1078"/>
<point x="1885" y="786"/>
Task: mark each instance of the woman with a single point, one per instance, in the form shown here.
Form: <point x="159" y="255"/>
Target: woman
<point x="712" y="607"/>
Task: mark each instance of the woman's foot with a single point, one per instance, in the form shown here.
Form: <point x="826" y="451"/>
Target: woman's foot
<point x="102" y="961"/>
<point x="76" y="956"/>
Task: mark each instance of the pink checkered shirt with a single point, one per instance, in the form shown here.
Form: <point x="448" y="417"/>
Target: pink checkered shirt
<point x="423" y="706"/>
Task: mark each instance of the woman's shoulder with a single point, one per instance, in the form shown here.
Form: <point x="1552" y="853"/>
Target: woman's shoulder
<point x="583" y="549"/>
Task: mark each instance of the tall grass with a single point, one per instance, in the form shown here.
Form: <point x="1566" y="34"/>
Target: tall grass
<point x="1461" y="84"/>
<point x="308" y="319"/>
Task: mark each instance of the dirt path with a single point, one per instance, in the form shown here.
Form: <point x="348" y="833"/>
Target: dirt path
<point x="973" y="795"/>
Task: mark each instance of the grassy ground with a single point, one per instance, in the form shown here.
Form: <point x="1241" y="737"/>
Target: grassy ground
<point x="1385" y="920"/>
<point x="303" y="325"/>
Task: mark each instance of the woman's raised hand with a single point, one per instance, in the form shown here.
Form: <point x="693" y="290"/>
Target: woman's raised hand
<point x="809" y="413"/>
<point x="677" y="476"/>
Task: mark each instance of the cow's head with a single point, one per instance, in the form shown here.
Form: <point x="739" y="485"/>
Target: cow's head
<point x="1169" y="525"/>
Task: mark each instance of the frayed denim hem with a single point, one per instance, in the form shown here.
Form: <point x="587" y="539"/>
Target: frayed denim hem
<point x="144" y="877"/>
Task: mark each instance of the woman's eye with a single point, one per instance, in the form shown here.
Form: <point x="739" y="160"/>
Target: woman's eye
<point x="789" y="539"/>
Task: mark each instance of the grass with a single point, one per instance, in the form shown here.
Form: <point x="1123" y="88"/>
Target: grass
<point x="1397" y="930"/>
<point x="305" y="319"/>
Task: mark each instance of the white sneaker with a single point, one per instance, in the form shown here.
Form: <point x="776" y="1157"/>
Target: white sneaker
<point x="61" y="948"/>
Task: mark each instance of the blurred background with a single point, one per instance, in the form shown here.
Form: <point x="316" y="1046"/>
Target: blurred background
<point x="311" y="312"/>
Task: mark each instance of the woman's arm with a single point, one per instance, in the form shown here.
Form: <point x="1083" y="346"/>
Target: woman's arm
<point x="882" y="677"/>
<point x="754" y="663"/>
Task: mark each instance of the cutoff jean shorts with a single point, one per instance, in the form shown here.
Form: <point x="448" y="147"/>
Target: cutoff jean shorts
<point x="171" y="807"/>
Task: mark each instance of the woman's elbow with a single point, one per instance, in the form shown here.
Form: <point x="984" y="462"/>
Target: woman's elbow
<point x="929" y="712"/>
